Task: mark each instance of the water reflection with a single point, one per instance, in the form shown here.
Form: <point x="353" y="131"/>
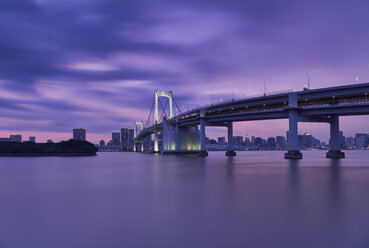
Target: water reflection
<point x="255" y="199"/>
<point x="335" y="184"/>
<point x="293" y="184"/>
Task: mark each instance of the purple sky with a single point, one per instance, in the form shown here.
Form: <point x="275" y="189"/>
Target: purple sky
<point x="96" y="63"/>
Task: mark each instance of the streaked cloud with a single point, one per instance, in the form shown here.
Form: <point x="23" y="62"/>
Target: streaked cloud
<point x="96" y="63"/>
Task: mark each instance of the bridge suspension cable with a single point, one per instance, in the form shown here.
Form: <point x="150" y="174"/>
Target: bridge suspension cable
<point x="174" y="100"/>
<point x="162" y="113"/>
<point x="152" y="108"/>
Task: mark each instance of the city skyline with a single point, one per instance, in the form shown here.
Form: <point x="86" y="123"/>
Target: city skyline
<point x="57" y="72"/>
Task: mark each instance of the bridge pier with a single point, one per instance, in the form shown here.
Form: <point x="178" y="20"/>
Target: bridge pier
<point x="156" y="141"/>
<point x="334" y="145"/>
<point x="293" y="149"/>
<point x="230" y="151"/>
<point x="203" y="151"/>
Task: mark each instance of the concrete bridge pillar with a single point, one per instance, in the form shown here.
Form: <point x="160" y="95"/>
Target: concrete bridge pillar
<point x="156" y="141"/>
<point x="230" y="151"/>
<point x="203" y="151"/>
<point x="293" y="149"/>
<point x="334" y="145"/>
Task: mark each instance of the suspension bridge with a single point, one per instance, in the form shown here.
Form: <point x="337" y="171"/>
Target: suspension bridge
<point x="186" y="131"/>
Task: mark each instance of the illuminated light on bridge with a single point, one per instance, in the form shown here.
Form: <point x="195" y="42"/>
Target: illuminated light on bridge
<point x="185" y="132"/>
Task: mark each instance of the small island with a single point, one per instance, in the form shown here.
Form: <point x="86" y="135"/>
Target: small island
<point x="71" y="147"/>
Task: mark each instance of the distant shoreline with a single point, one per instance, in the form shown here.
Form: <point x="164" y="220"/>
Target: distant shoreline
<point x="70" y="148"/>
<point x="48" y="155"/>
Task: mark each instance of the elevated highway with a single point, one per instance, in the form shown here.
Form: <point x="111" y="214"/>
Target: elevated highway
<point x="318" y="105"/>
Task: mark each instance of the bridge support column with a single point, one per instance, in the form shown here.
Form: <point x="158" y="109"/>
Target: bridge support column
<point x="203" y="151"/>
<point x="334" y="145"/>
<point x="293" y="149"/>
<point x="156" y="141"/>
<point x="230" y="151"/>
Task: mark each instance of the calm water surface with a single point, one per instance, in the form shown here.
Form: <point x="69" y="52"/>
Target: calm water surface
<point x="256" y="199"/>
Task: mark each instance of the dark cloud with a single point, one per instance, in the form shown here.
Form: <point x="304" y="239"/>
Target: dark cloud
<point x="59" y="56"/>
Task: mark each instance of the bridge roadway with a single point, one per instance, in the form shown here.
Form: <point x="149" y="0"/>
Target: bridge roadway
<point x="318" y="105"/>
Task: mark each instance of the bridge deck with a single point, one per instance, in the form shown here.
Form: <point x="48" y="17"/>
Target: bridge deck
<point x="342" y="100"/>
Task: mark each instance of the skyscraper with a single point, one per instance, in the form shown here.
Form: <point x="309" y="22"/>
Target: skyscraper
<point x="360" y="140"/>
<point x="221" y="140"/>
<point x="247" y="141"/>
<point x="237" y="140"/>
<point x="130" y="138"/>
<point x="115" y="138"/>
<point x="32" y="139"/>
<point x="124" y="137"/>
<point x="350" y="142"/>
<point x="79" y="134"/>
<point x="271" y="142"/>
<point x="280" y="142"/>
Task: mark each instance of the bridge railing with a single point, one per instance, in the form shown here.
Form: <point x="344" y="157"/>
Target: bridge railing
<point x="333" y="102"/>
<point x="271" y="93"/>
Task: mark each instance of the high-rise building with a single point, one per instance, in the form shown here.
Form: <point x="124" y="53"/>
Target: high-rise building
<point x="32" y="139"/>
<point x="288" y="138"/>
<point x="342" y="140"/>
<point x="16" y="137"/>
<point x="49" y="141"/>
<point x="221" y="141"/>
<point x="247" y="141"/>
<point x="102" y="143"/>
<point x="79" y="134"/>
<point x="280" y="142"/>
<point x="361" y="140"/>
<point x="258" y="141"/>
<point x="307" y="140"/>
<point x="115" y="138"/>
<point x="237" y="140"/>
<point x="350" y="142"/>
<point x="131" y="138"/>
<point x="124" y="136"/>
<point x="271" y="142"/>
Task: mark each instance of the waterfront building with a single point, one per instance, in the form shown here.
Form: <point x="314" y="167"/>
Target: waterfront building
<point x="258" y="141"/>
<point x="247" y="141"/>
<point x="124" y="137"/>
<point x="131" y="138"/>
<point x="271" y="143"/>
<point x="307" y="140"/>
<point x="361" y="141"/>
<point x="16" y="137"/>
<point x="115" y="137"/>
<point x="221" y="141"/>
<point x="280" y="142"/>
<point x="79" y="134"/>
<point x="237" y="140"/>
<point x="350" y="142"/>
